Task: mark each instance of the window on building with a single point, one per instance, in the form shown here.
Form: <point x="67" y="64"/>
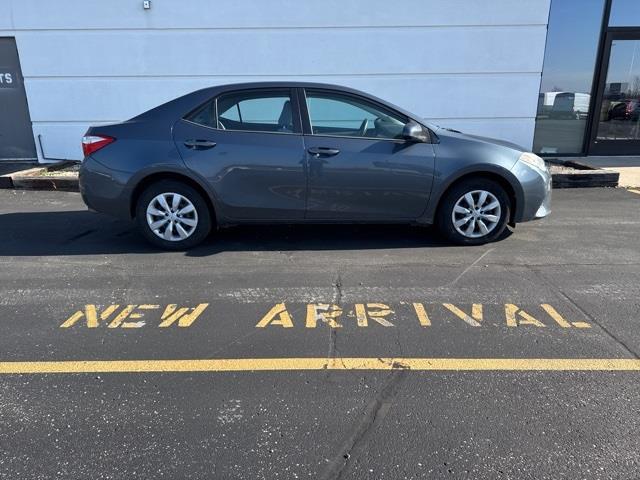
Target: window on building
<point x="619" y="118"/>
<point x="625" y="13"/>
<point x="569" y="65"/>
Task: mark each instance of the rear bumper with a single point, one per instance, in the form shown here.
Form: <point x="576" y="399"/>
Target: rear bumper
<point x="102" y="191"/>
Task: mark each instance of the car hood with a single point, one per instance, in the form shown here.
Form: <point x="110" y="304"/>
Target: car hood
<point x="449" y="132"/>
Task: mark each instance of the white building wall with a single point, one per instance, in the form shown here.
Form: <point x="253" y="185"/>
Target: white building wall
<point x="467" y="64"/>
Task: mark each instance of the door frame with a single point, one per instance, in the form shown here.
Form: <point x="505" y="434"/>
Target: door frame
<point x="395" y="145"/>
<point x="609" y="147"/>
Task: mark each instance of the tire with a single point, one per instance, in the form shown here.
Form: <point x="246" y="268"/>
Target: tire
<point x="494" y="220"/>
<point x="176" y="231"/>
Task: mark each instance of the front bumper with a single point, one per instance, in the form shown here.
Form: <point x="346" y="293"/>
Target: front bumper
<point x="545" y="208"/>
<point x="536" y="191"/>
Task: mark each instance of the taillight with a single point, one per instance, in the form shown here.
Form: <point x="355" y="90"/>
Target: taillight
<point x="93" y="143"/>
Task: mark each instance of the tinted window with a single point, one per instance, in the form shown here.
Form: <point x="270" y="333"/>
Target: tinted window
<point x="205" y="115"/>
<point x="343" y="115"/>
<point x="567" y="75"/>
<point x="263" y="111"/>
<point x="619" y="113"/>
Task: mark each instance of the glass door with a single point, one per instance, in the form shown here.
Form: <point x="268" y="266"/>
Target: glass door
<point x="616" y="127"/>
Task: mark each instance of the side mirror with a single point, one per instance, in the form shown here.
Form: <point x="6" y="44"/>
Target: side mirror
<point x="414" y="132"/>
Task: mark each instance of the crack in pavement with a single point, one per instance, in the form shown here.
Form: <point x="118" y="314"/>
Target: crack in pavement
<point x="455" y="280"/>
<point x="374" y="414"/>
<point x="333" y="332"/>
<point x="571" y="301"/>
<point x="604" y="329"/>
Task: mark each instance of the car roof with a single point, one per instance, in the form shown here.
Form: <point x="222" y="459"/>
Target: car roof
<point x="181" y="105"/>
<point x="293" y="84"/>
<point x="289" y="84"/>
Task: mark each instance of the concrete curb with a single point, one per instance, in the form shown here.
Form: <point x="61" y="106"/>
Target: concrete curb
<point x="46" y="183"/>
<point x="26" y="180"/>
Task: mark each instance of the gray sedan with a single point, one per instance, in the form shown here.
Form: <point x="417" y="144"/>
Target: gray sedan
<point x="290" y="152"/>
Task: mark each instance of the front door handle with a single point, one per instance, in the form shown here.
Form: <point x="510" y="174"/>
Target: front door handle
<point x="323" y="151"/>
<point x="199" y="144"/>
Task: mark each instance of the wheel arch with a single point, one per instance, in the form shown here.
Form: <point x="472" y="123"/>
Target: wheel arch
<point x="504" y="178"/>
<point x="155" y="177"/>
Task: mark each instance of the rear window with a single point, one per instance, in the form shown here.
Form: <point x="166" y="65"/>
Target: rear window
<point x="256" y="111"/>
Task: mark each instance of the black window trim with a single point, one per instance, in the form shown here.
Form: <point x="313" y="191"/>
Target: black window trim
<point x="200" y="107"/>
<point x="297" y="121"/>
<point x="306" y="120"/>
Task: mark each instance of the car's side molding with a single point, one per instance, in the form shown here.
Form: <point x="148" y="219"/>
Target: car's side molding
<point x="441" y="186"/>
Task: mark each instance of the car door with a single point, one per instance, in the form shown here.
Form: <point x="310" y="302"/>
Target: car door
<point x="248" y="146"/>
<point x="359" y="166"/>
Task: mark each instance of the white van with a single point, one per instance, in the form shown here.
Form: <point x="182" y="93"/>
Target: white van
<point x="570" y="105"/>
<point x="545" y="102"/>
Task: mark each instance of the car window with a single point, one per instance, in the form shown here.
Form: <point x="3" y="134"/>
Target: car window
<point x="205" y="115"/>
<point x="264" y="111"/>
<point x="345" y="115"/>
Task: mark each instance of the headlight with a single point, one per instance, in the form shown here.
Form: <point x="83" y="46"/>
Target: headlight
<point x="533" y="160"/>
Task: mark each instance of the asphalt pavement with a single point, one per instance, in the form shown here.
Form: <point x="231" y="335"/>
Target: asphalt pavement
<point x="324" y="352"/>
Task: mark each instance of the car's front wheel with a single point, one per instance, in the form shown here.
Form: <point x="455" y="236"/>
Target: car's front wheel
<point x="474" y="212"/>
<point x="173" y="215"/>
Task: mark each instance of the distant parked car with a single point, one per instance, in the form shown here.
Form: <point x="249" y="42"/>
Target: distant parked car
<point x="286" y="152"/>
<point x="624" y="110"/>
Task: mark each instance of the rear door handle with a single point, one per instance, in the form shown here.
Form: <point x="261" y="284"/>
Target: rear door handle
<point x="323" y="151"/>
<point x="199" y="144"/>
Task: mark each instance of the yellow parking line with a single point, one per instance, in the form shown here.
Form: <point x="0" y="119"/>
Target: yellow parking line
<point x="634" y="190"/>
<point x="287" y="364"/>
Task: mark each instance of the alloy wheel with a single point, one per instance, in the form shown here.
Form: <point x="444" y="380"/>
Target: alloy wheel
<point x="476" y="214"/>
<point x="172" y="216"/>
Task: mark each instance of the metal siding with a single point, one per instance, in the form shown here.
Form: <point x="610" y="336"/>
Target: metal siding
<point x="467" y="64"/>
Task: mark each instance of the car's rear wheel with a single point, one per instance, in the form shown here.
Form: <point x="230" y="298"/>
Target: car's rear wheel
<point x="474" y="212"/>
<point x="173" y="215"/>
